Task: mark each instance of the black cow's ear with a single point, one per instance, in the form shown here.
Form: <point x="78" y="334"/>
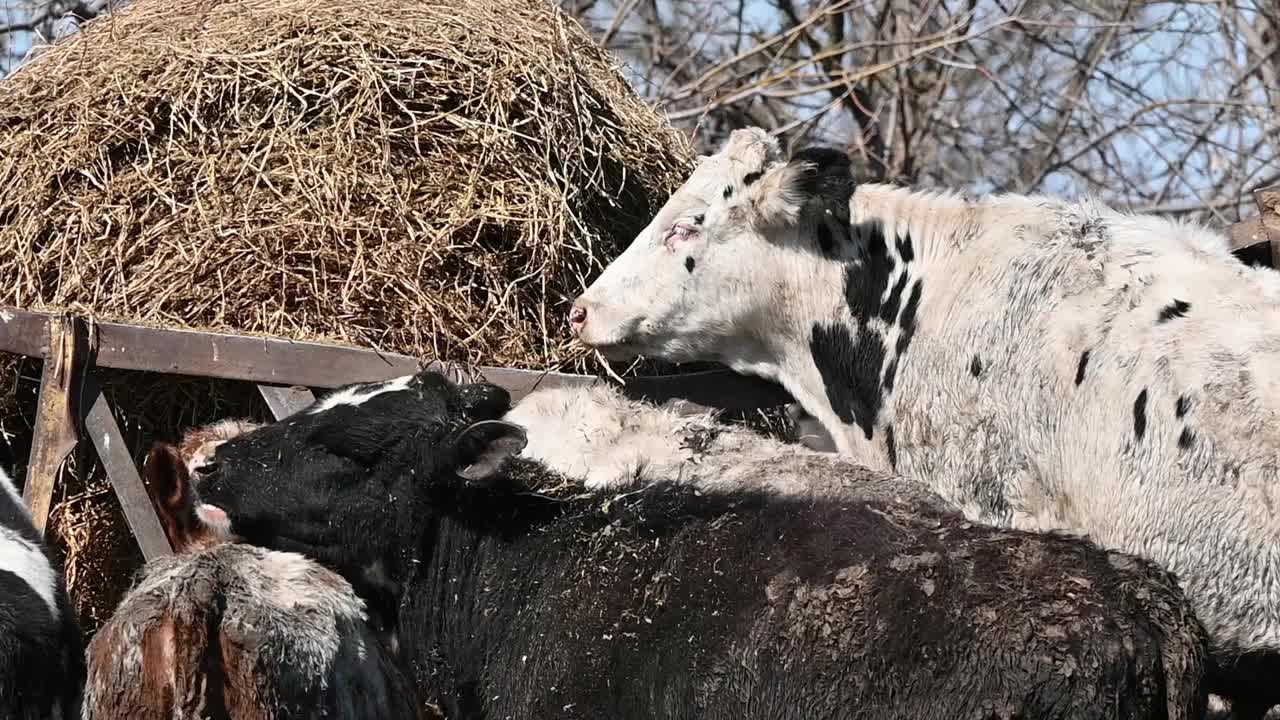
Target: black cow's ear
<point x="169" y="485"/>
<point x="484" y="447"/>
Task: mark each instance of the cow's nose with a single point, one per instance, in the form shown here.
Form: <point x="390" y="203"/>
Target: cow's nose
<point x="577" y="316"/>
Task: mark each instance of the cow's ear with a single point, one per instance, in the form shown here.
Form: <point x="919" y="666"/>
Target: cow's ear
<point x="814" y="187"/>
<point x="752" y="147"/>
<point x="187" y="523"/>
<point x="483" y="448"/>
<point x="774" y="198"/>
<point x="169" y="484"/>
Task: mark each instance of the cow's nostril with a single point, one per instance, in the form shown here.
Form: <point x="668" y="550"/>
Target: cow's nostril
<point x="577" y="317"/>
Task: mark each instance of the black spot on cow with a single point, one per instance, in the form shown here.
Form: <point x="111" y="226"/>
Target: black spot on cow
<point x="728" y="191"/>
<point x="1093" y="227"/>
<point x="688" y="264"/>
<point x="1182" y="406"/>
<point x="1140" y="414"/>
<point x="1177" y="308"/>
<point x="905" y="249"/>
<point x="1186" y="439"/>
<point x="975" y="367"/>
<point x="825" y="242"/>
<point x="889" y="310"/>
<point x="826" y="184"/>
<point x="850" y="370"/>
<point x="1084" y="363"/>
<point x="866" y="279"/>
<point x="891" y="445"/>
<point x="751" y="177"/>
<point x="890" y="375"/>
<point x="908" y="321"/>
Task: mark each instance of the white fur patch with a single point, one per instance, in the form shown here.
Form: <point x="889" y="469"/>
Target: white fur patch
<point x="606" y="441"/>
<point x="23" y="559"/>
<point x="360" y="394"/>
<point x="6" y="483"/>
<point x="216" y="519"/>
<point x="29" y="562"/>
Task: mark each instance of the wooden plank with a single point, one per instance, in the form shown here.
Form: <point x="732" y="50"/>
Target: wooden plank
<point x="24" y="333"/>
<point x="275" y="361"/>
<point x="56" y="422"/>
<point x="285" y="401"/>
<point x="101" y="427"/>
<point x="1268" y="200"/>
<point x="1246" y="233"/>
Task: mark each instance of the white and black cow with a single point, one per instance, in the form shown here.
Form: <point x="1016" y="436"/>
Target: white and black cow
<point x="41" y="647"/>
<point x="1043" y="364"/>
<point x="238" y="632"/>
<point x="515" y="600"/>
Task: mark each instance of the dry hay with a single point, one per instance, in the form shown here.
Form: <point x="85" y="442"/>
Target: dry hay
<point x="431" y="178"/>
<point x="414" y="176"/>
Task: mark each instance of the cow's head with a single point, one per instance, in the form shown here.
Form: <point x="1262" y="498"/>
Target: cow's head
<point x="345" y="482"/>
<point x="714" y="270"/>
<point x="198" y="445"/>
<point x="172" y="474"/>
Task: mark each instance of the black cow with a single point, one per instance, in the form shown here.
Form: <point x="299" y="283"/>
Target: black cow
<point x="41" y="646"/>
<point x="663" y="601"/>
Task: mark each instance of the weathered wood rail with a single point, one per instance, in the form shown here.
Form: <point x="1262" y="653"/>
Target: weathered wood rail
<point x="71" y="403"/>
<point x="1262" y="228"/>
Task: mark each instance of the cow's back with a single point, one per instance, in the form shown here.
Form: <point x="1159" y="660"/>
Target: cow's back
<point x="1108" y="375"/>
<point x="791" y="610"/>
<point x="242" y="633"/>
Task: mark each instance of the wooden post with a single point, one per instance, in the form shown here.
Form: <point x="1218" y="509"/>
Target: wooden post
<point x="1246" y="234"/>
<point x="285" y="401"/>
<point x="57" y="416"/>
<point x="100" y="424"/>
<point x="1268" y="200"/>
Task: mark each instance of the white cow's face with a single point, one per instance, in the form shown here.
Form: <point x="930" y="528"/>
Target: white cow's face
<point x="713" y="272"/>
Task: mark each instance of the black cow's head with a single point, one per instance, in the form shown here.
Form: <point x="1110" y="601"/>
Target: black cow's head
<point x="346" y="481"/>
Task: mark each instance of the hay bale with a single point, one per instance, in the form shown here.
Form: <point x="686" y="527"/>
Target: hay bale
<point x="415" y="176"/>
<point x="430" y="178"/>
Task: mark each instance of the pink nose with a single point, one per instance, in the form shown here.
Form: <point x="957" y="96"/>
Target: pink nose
<point x="577" y="318"/>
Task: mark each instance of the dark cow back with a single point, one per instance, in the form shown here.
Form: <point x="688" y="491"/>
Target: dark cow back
<point x="665" y="603"/>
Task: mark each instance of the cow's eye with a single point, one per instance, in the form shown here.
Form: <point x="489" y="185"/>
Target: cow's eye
<point x="680" y="232"/>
